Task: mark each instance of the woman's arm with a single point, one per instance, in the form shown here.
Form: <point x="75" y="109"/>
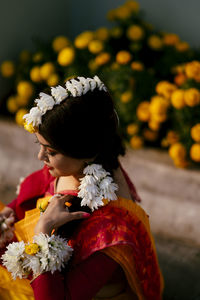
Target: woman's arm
<point x="81" y="282"/>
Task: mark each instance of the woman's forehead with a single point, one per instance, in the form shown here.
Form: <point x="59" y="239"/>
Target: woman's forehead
<point x="42" y="140"/>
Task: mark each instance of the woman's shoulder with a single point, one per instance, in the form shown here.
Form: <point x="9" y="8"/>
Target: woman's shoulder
<point x="126" y="187"/>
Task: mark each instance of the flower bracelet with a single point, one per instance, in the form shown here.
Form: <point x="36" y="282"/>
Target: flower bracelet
<point x="46" y="253"/>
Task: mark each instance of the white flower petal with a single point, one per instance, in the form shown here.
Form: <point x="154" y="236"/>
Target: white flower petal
<point x="59" y="93"/>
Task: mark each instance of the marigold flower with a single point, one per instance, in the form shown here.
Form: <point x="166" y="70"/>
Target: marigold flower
<point x="136" y="142"/>
<point x="25" y="56"/>
<point x="102" y="34"/>
<point x="83" y="39"/>
<point x="122" y="12"/>
<point x="31" y="248"/>
<point x="116" y="32"/>
<point x="25" y="89"/>
<point x="158" y="105"/>
<point x="150" y="135"/>
<point x="165" y="88"/>
<point x="181" y="163"/>
<point x="19" y="116"/>
<point x="159" y="117"/>
<point x="180" y="79"/>
<point x="182" y="46"/>
<point x="46" y="70"/>
<point x="195" y="152"/>
<point x="123" y="57"/>
<point x="95" y="46"/>
<point x="7" y="68"/>
<point x="137" y="66"/>
<point x="44" y="203"/>
<point x="35" y="74"/>
<point x="154" y="125"/>
<point x="195" y="132"/>
<point x="155" y="42"/>
<point x="66" y="56"/>
<point x="192" y="97"/>
<point x="192" y="70"/>
<point x="111" y="15"/>
<point x="115" y="66"/>
<point x="102" y="59"/>
<point x="53" y="80"/>
<point x="37" y="57"/>
<point x="11" y="104"/>
<point x="21" y="100"/>
<point x="170" y="39"/>
<point x="126" y="97"/>
<point x="132" y="129"/>
<point x="59" y="43"/>
<point x="172" y="137"/>
<point x="30" y="128"/>
<point x="135" y="32"/>
<point x="164" y="143"/>
<point x="177" y="99"/>
<point x="177" y="151"/>
<point x="143" y="112"/>
<point x="92" y="65"/>
<point x="133" y="5"/>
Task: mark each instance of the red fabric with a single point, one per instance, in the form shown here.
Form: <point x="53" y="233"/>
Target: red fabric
<point x="33" y="187"/>
<point x="131" y="186"/>
<point x="109" y="226"/>
<point x="80" y="283"/>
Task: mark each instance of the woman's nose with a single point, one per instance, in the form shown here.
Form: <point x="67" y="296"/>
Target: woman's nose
<point x="42" y="154"/>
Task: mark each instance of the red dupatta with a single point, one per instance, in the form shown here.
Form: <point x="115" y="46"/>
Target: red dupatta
<point x="121" y="230"/>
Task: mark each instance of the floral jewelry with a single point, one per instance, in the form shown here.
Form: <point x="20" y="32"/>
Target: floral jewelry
<point x="96" y="185"/>
<point x="96" y="189"/>
<point x="46" y="253"/>
<point x="74" y="88"/>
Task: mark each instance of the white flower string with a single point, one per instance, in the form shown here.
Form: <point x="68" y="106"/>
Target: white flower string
<point x="46" y="253"/>
<point x="74" y="88"/>
<point x="96" y="185"/>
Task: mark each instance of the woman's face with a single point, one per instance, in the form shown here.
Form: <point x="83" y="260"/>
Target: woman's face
<point x="57" y="163"/>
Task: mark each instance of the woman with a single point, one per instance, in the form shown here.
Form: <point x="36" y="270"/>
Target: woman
<point x="86" y="197"/>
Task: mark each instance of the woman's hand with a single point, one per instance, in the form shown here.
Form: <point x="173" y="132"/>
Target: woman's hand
<point x="7" y="213"/>
<point x="57" y="214"/>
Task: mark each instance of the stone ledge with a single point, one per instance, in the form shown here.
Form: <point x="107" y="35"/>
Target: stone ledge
<point x="169" y="195"/>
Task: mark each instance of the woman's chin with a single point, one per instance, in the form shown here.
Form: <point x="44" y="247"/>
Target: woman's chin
<point x="53" y="172"/>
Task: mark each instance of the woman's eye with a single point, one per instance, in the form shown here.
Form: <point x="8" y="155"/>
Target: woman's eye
<point x="51" y="153"/>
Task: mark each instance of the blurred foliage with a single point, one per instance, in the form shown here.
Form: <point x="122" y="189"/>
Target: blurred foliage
<point x="153" y="77"/>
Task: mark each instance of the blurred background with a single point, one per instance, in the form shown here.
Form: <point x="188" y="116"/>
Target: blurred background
<point x="148" y="54"/>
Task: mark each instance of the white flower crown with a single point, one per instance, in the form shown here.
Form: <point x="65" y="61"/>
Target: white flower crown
<point x="74" y="88"/>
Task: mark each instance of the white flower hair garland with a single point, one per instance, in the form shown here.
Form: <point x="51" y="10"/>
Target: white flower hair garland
<point x="96" y="185"/>
<point x="74" y="88"/>
<point x="46" y="253"/>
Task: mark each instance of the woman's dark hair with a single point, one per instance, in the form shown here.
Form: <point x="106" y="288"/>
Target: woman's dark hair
<point x="85" y="127"/>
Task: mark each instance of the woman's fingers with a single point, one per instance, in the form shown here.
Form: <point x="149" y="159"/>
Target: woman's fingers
<point x="79" y="215"/>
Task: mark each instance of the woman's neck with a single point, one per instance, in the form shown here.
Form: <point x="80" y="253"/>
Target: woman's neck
<point x="123" y="190"/>
<point x="66" y="183"/>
